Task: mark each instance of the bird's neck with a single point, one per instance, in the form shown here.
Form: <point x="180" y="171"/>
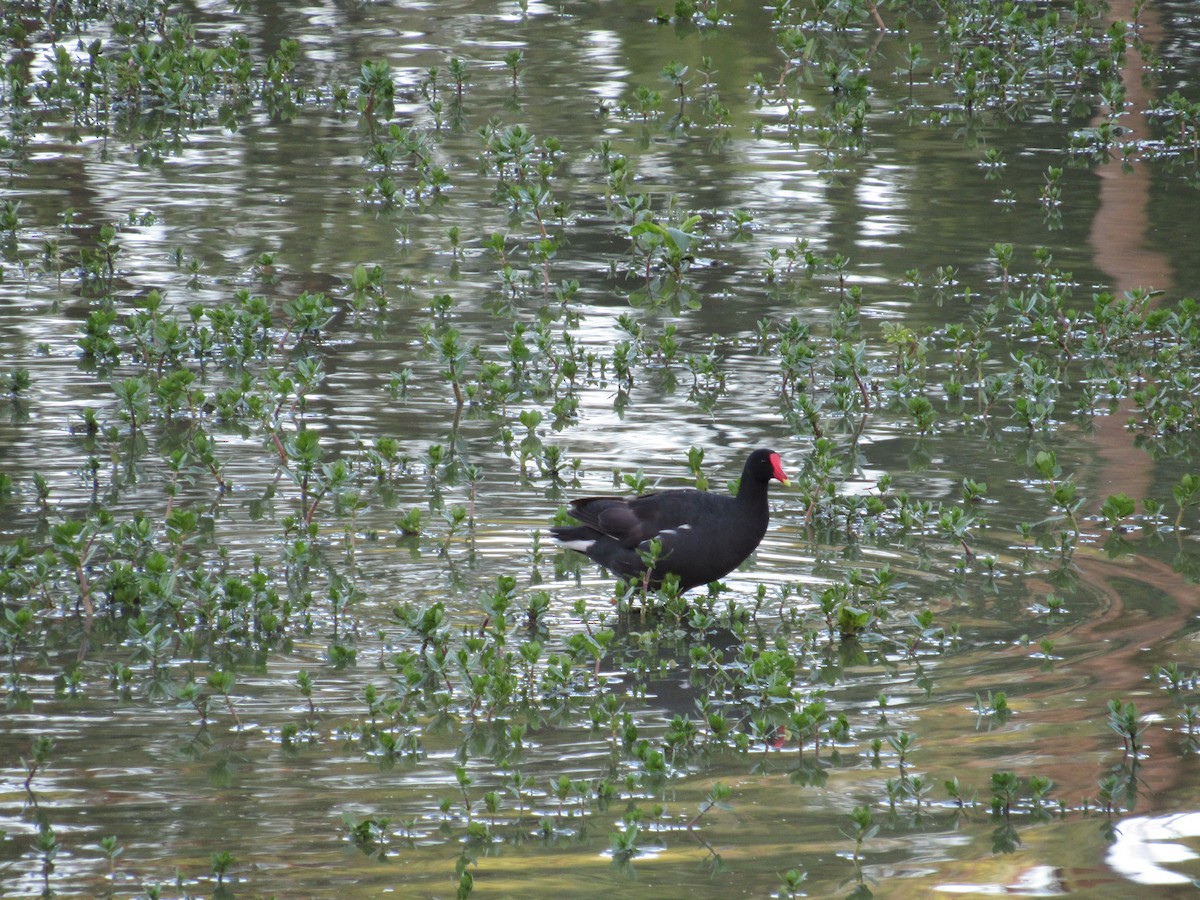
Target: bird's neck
<point x="751" y="491"/>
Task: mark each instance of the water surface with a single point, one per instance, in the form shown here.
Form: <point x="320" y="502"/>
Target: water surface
<point x="914" y="209"/>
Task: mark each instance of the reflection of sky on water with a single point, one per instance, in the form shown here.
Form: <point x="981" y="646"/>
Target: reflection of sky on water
<point x="604" y="51"/>
<point x="1146" y="846"/>
<point x="1035" y="881"/>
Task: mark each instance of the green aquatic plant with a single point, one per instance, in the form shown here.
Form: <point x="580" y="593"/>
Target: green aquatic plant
<point x="222" y="682"/>
<point x="222" y="860"/>
<point x="994" y="708"/>
<point x="862" y="829"/>
<point x="514" y="59"/>
<point x="39" y="756"/>
<point x="624" y="843"/>
<point x="369" y="835"/>
<point x="668" y="246"/>
<point x="1123" y="719"/>
<point x="1005" y="793"/>
<point x="677" y="74"/>
<point x="376" y="90"/>
<point x="792" y="883"/>
<point x="1187" y="494"/>
<point x="47" y="846"/>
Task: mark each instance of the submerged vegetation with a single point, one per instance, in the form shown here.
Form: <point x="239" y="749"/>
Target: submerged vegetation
<point x="290" y="554"/>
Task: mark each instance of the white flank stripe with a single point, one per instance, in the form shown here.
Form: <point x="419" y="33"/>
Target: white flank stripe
<point x="581" y="546"/>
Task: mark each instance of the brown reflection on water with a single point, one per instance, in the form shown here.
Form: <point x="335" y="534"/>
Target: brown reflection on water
<point x="1122" y="226"/>
<point x="1109" y="654"/>
<point x="1120" y="236"/>
<point x="1145" y="608"/>
<point x="1124" y="643"/>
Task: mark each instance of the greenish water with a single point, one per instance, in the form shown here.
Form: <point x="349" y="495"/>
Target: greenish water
<point x="912" y="379"/>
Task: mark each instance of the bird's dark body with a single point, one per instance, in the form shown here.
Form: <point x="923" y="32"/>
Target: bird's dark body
<point x="703" y="536"/>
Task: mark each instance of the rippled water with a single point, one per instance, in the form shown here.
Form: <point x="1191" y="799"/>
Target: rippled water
<point x="135" y="761"/>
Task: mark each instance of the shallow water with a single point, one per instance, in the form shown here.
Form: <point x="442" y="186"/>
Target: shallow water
<point x="132" y="757"/>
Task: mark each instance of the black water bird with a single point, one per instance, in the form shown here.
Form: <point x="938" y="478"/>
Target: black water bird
<point x="702" y="536"/>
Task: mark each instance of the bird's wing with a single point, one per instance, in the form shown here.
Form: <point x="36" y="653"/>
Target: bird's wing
<point x="632" y="521"/>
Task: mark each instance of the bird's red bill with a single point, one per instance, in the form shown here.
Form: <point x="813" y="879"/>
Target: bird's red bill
<point x="778" y="467"/>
